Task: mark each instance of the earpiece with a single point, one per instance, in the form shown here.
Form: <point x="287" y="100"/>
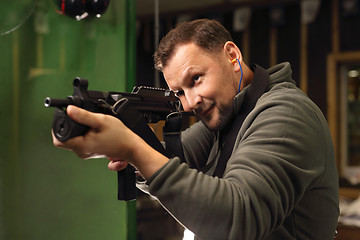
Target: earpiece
<point x="241" y="77"/>
<point x="80" y="9"/>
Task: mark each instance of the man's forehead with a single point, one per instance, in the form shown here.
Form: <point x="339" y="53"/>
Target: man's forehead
<point x="190" y="52"/>
<point x="187" y="47"/>
<point x="181" y="58"/>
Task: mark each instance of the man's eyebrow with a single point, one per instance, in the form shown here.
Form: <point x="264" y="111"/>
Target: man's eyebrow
<point x="188" y="73"/>
<point x="182" y="78"/>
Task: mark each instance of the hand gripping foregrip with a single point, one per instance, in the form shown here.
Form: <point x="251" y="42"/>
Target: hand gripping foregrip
<point x="65" y="128"/>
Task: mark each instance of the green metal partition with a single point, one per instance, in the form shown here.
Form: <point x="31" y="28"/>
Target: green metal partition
<point x="45" y="192"/>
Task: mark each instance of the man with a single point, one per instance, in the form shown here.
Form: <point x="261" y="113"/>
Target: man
<point x="280" y="181"/>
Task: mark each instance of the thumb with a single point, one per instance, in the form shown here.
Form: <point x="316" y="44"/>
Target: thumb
<point x="83" y="116"/>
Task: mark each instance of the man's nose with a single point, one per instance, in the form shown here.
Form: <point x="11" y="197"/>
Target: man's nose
<point x="193" y="100"/>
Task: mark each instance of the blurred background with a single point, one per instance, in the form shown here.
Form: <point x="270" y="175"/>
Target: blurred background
<point x="48" y="193"/>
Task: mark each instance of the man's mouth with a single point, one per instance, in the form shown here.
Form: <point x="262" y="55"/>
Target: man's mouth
<point x="204" y="112"/>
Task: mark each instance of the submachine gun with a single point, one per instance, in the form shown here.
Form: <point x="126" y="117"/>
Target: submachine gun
<point x="136" y="109"/>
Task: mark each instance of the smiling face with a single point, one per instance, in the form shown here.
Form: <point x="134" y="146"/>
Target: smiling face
<point x="205" y="82"/>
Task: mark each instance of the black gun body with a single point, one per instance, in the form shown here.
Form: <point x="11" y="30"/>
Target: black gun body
<point x="136" y="109"/>
<point x="152" y="104"/>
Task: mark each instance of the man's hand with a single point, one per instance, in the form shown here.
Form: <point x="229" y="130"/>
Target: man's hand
<point x="117" y="165"/>
<point x="109" y="137"/>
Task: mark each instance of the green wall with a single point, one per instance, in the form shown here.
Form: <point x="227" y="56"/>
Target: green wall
<point x="45" y="192"/>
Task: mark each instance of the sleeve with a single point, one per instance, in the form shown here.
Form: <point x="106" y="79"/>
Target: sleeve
<point x="279" y="154"/>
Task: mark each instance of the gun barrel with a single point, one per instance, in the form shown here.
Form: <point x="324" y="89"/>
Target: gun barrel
<point x="55" y="102"/>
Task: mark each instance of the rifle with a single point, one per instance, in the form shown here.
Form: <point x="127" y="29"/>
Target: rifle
<point x="136" y="109"/>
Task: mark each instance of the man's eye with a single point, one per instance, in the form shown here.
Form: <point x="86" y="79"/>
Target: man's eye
<point x="196" y="78"/>
<point x="179" y="93"/>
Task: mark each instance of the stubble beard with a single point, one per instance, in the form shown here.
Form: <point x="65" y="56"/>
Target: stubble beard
<point x="224" y="116"/>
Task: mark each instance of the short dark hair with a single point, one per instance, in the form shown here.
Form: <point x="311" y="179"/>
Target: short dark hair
<point x="205" y="33"/>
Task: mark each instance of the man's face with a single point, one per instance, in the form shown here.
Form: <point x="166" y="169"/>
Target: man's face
<point x="205" y="83"/>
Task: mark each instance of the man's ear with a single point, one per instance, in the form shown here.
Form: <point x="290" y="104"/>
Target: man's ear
<point x="234" y="55"/>
<point x="232" y="51"/>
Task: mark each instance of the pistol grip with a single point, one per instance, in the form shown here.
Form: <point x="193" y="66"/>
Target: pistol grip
<point x="127" y="184"/>
<point x="133" y="119"/>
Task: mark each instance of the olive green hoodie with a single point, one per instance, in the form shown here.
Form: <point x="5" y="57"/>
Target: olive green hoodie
<point x="280" y="182"/>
